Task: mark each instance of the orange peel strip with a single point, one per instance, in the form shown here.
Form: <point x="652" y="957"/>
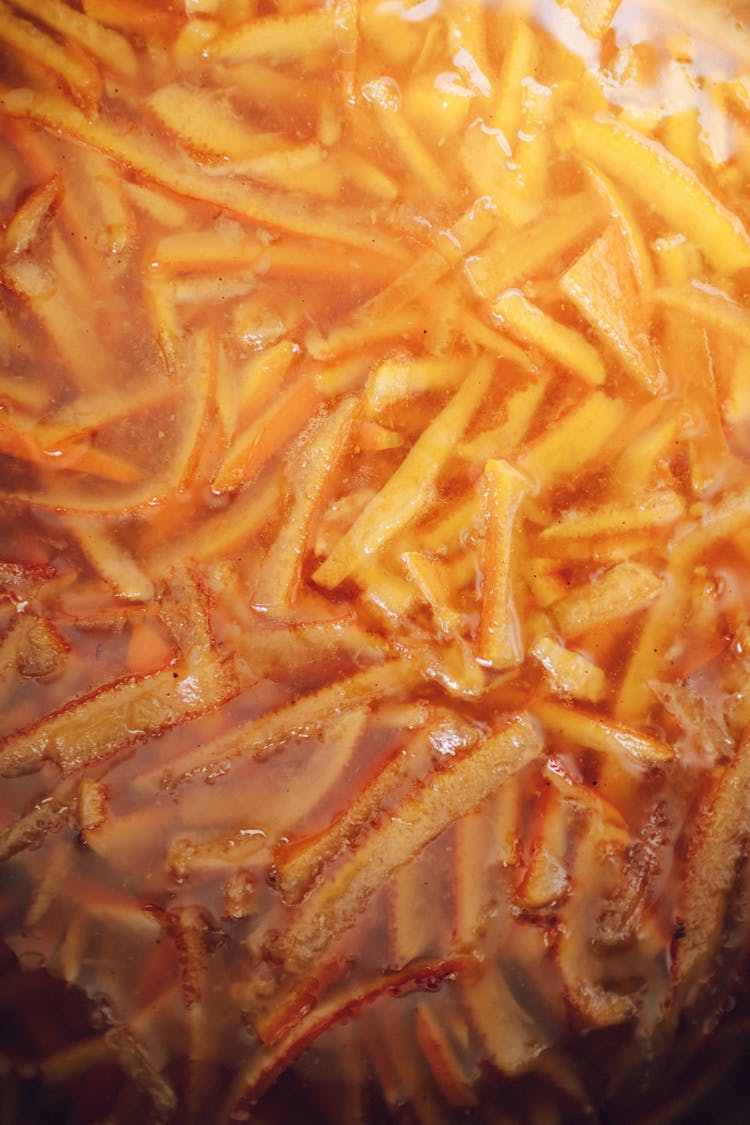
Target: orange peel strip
<point x="27" y="221"/>
<point x="712" y="307"/>
<point x="279" y="577"/>
<point x="255" y="1079"/>
<point x="619" y="592"/>
<point x="578" y="438"/>
<point x="510" y="1043"/>
<point x="718" y="837"/>
<point x="477" y="332"/>
<point x="198" y="250"/>
<point x="81" y="417"/>
<point x="511" y="257"/>
<point x="601" y="734"/>
<point x="48" y="816"/>
<point x="545" y="882"/>
<point x="477" y="882"/>
<point x="139" y="153"/>
<point x="54" y="307"/>
<point x="415" y="156"/>
<point x="600" y="1005"/>
<point x="425" y="574"/>
<point x="570" y="673"/>
<point x="201" y="386"/>
<point x="648" y="660"/>
<point x="621" y="211"/>
<point x="222" y="533"/>
<point x="112" y="561"/>
<point x="519" y="62"/>
<point x="501" y="442"/>
<point x="136" y="1062"/>
<point x="463" y="237"/>
<point x="105" y="44"/>
<point x="660" y="507"/>
<point x="561" y="344"/>
<point x="133" y="17"/>
<point x="67" y="62"/>
<point x="96" y="726"/>
<point x="450" y="793"/>
<point x="278" y="39"/>
<point x="398" y="377"/>
<point x="29" y="397"/>
<point x="603" y="286"/>
<point x="207" y="124"/>
<point x="498" y="636"/>
<point x="40" y="445"/>
<point x="261" y="737"/>
<point x="298" y="872"/>
<point x="688" y="354"/>
<point x="261" y="377"/>
<point x="663" y="182"/>
<point x="411" y="489"/>
<point x="417" y="925"/>
<point x="267" y="434"/>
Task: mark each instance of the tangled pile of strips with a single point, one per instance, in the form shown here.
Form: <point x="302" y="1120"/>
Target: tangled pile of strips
<point x="374" y="555"/>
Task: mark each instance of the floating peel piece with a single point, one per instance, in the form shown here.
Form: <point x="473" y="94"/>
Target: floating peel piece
<point x="559" y="343"/>
<point x="665" y="183"/>
<point x="411" y="489"/>
<point x="604" y="287"/>
<point x="499" y="641"/>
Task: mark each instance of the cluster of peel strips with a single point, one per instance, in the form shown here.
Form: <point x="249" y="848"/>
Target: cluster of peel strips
<point x="374" y="610"/>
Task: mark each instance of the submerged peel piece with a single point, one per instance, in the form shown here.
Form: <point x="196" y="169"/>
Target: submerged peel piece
<point x="146" y="158"/>
<point x="601" y="734"/>
<point x="411" y="489"/>
<point x="453" y="791"/>
<point x="603" y="286"/>
<point x="261" y="737"/>
<point x="279" y="577"/>
<point x="717" y="845"/>
<point x="558" y="342"/>
<point x="498" y="639"/>
<point x="668" y="185"/>
<point x="100" y="724"/>
<point x="619" y="592"/>
<point x="580" y="436"/>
